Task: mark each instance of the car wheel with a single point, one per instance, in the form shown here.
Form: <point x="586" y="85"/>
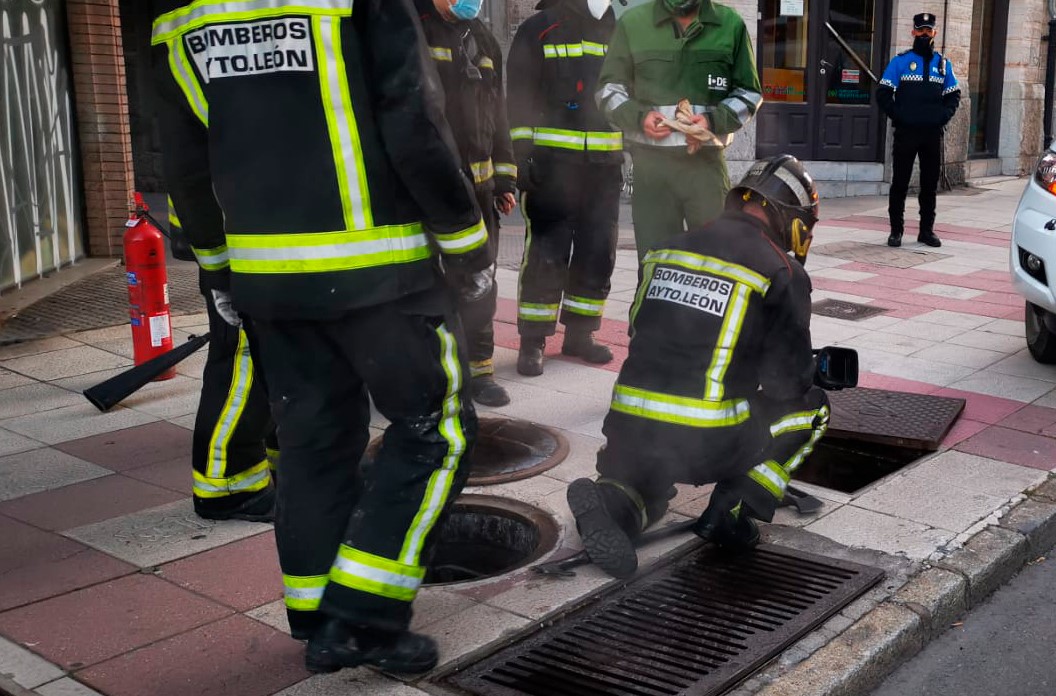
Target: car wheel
<point x="1040" y="341"/>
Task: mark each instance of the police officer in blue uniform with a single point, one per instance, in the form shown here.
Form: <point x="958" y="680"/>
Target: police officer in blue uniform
<point x="920" y="94"/>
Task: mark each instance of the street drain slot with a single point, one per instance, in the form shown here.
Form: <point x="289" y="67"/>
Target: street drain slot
<point x="841" y="309"/>
<point x="696" y="627"/>
<point x="847" y="465"/>
<point x="486" y="536"/>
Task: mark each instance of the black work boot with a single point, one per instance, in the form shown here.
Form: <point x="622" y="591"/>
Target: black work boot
<point x="581" y="344"/>
<point x="530" y="357"/>
<point x="895" y="238"/>
<point x="608" y="522"/>
<point x="927" y="236"/>
<point x="337" y="644"/>
<point x="732" y="530"/>
<point x="486" y="391"/>
<point x="258" y="507"/>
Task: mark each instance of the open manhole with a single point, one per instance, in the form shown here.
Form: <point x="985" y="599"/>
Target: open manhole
<point x="841" y="309"/>
<point x="697" y="626"/>
<point x="875" y="432"/>
<point x="485" y="536"/>
<point x="508" y="450"/>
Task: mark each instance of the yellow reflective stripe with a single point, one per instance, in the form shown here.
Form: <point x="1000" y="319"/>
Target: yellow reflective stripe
<point x="482" y="171"/>
<point x="728" y="336"/>
<point x="464" y="241"/>
<point x="481" y="367"/>
<point x="366" y="572"/>
<point x="579" y="140"/>
<point x="648" y="270"/>
<point x="605" y="141"/>
<point x="214" y="259"/>
<point x="574" y="50"/>
<point x="521" y="133"/>
<point x="450" y="428"/>
<point x="710" y="264"/>
<point x="529" y="311"/>
<point x="273" y="457"/>
<point x="202" y="12"/>
<point x="793" y="422"/>
<point x="770" y="476"/>
<point x="231" y="412"/>
<point x="595" y="49"/>
<point x="185" y="77"/>
<point x="341" y="123"/>
<point x="822" y="417"/>
<point x="440" y="53"/>
<point x="304" y="592"/>
<point x="317" y="252"/>
<point x="583" y="305"/>
<point x="506" y="169"/>
<point x="487" y="63"/>
<point x="174" y="220"/>
<point x="255" y="478"/>
<point x="679" y="410"/>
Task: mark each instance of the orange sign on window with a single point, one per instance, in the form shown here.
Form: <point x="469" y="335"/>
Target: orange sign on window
<point x="783" y="85"/>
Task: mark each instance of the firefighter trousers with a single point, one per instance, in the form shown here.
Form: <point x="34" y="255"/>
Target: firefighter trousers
<point x="354" y="544"/>
<point x="233" y="432"/>
<point x="572" y="224"/>
<point x="673" y="190"/>
<point x="478" y="315"/>
<point x="910" y="143"/>
<point x="750" y="462"/>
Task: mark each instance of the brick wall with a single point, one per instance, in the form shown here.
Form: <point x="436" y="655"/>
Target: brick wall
<point x="102" y="119"/>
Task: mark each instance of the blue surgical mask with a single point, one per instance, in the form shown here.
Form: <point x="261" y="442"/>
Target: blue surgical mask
<point x="466" y="9"/>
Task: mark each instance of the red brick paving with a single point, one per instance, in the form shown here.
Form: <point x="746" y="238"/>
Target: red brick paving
<point x="233" y="657"/>
<point x="174" y="474"/>
<point x="1032" y="419"/>
<point x="1017" y="447"/>
<point x="133" y="447"/>
<point x="243" y="575"/>
<point x="982" y="407"/>
<point x="962" y="430"/>
<point x="87" y="502"/>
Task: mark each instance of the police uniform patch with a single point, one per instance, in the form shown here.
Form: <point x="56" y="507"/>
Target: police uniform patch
<point x="912" y="66"/>
<point x="699" y="291"/>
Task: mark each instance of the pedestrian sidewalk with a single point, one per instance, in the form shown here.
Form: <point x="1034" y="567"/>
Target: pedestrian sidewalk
<point x="110" y="585"/>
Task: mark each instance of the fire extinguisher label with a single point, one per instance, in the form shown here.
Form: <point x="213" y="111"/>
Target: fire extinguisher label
<point x="132" y="280"/>
<point x="159" y="329"/>
<point x="165" y="289"/>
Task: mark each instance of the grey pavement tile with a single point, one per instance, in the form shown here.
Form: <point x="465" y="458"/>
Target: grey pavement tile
<point x="119" y="346"/>
<point x="590" y="429"/>
<point x="931" y="501"/>
<point x="80" y="383"/>
<point x="837" y="273"/>
<point x="1002" y="385"/>
<point x="819" y="295"/>
<point x="110" y="333"/>
<point x="13" y="443"/>
<point x="854" y="526"/>
<point x="532" y="490"/>
<point x="436" y="604"/>
<point x="691" y="501"/>
<point x="989" y="341"/>
<point x="889" y="342"/>
<point x="539" y="595"/>
<point x="35" y="398"/>
<point x="194" y="365"/>
<point x="556" y="408"/>
<point x="67" y="362"/>
<point x="960" y="355"/>
<point x="25" y="668"/>
<point x="45" y="345"/>
<point x="917" y="369"/>
<point x="10" y="379"/>
<point x="581" y="460"/>
<point x="43" y="470"/>
<point x="185" y="320"/>
<point x="273" y="614"/>
<point x="168" y="399"/>
<point x="1005" y="326"/>
<point x="464" y="632"/>
<point x="162" y="534"/>
<point x="951" y="291"/>
<point x="916" y="327"/>
<point x="558" y="375"/>
<point x="188" y="422"/>
<point x="957" y="319"/>
<point x="66" y="687"/>
<point x="74" y="422"/>
<point x="826" y="333"/>
<point x="979" y="474"/>
<point x="351" y="682"/>
<point x="1022" y="365"/>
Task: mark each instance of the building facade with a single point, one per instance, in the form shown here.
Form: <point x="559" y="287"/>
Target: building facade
<point x="78" y="135"/>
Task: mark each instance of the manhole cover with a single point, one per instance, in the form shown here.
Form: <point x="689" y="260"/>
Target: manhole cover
<point x="697" y="626"/>
<point x="848" y="466"/>
<point x="508" y="450"/>
<point x="864" y="252"/>
<point x="841" y="309"/>
<point x="484" y="536"/>
<point x="901" y="419"/>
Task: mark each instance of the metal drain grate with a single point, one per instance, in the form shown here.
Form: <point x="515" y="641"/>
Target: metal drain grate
<point x="694" y="628"/>
<point x="841" y="309"/>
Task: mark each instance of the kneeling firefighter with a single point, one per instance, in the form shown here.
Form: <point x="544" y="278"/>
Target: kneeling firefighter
<point x="718" y="386"/>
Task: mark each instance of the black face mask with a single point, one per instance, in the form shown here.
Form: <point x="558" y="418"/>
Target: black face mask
<point x="924" y="45"/>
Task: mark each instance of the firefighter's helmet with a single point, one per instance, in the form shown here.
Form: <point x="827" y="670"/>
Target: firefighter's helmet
<point x="785" y="190"/>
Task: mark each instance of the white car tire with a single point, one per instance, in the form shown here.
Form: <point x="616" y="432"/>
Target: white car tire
<point x="1040" y="340"/>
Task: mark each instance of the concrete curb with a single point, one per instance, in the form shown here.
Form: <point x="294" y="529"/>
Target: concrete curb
<point x="861" y="657"/>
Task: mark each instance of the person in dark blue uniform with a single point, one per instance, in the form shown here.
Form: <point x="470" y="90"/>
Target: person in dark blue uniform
<point x="920" y="94"/>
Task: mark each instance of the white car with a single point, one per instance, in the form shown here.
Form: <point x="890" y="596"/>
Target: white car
<point x="1033" y="258"/>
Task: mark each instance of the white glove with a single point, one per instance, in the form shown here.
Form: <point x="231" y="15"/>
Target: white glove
<point x="222" y="300"/>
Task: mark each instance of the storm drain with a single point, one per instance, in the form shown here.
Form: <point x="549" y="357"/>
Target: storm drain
<point x="901" y="257"/>
<point x="841" y="309"/>
<point x="696" y="627"/>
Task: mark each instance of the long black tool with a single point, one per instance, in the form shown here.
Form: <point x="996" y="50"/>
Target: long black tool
<point x="850" y="51"/>
<point x="107" y="394"/>
<point x="804" y="502"/>
<point x="564" y="568"/>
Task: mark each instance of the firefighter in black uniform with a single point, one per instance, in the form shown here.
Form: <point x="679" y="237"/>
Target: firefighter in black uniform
<point x="920" y="94"/>
<point x="569" y="162"/>
<point x="717" y="386"/>
<point x="309" y="141"/>
<point x="234" y="450"/>
<point x="469" y="61"/>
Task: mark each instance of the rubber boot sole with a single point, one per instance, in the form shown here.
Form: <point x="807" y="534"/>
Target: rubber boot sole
<point x="323" y="661"/>
<point x="609" y="547"/>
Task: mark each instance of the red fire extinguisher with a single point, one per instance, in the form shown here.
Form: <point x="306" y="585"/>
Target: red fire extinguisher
<point x="148" y="288"/>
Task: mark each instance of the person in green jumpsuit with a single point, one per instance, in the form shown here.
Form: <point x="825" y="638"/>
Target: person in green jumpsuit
<point x="662" y="53"/>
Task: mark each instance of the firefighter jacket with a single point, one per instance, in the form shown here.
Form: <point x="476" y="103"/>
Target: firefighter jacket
<point x="652" y="64"/>
<point x="918" y="92"/>
<point x="555" y="60"/>
<point x="306" y="152"/>
<point x="469" y="61"/>
<point x="721" y="312"/>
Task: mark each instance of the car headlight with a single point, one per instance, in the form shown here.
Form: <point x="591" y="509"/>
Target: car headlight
<point x="1045" y="174"/>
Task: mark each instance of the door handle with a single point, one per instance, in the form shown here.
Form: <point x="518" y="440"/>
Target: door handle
<point x="824" y="65"/>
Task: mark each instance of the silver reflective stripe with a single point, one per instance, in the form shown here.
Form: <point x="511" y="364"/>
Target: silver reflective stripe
<point x="718" y="413"/>
<point x="739" y="109"/>
<point x="201" y="12"/>
<point x="951" y="90"/>
<point x="188" y="81"/>
<point x="361" y="570"/>
<point x="795" y="184"/>
<point x="235" y="487"/>
<point x="331" y="251"/>
<point x="304" y="592"/>
<point x="536" y="312"/>
<point x="210" y="259"/>
<point x="772" y="476"/>
<point x="754" y="99"/>
<point x="792" y="423"/>
<point x="230" y="414"/>
<point x="545" y="138"/>
<point x="468" y="241"/>
<point x="612" y="96"/>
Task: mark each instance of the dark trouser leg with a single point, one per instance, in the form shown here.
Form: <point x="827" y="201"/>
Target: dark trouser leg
<point x="593" y="248"/>
<point x="549" y="215"/>
<point x="703" y="187"/>
<point x="322" y="412"/>
<point x="228" y="456"/>
<point x="930" y="167"/>
<point x="655" y="205"/>
<point x="903" y="152"/>
<point x="478" y="315"/>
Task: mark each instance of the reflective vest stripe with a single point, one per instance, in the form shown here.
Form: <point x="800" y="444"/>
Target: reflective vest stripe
<point x="528" y="311"/>
<point x="583" y="305"/>
<point x="574" y="50"/>
<point x="506" y="169"/>
<point x="770" y="476"/>
<point x="304" y="592"/>
<point x="728" y="336"/>
<point x="440" y="53"/>
<point x="255" y="478"/>
<point x="186" y="78"/>
<point x="482" y="171"/>
<point x="319" y="252"/>
<point x="174" y="219"/>
<point x="793" y="422"/>
<point x="231" y="412"/>
<point x="821" y="416"/>
<point x="521" y="133"/>
<point x="359" y="570"/>
<point x="680" y="410"/>
<point x="215" y="259"/>
<point x="341" y="123"/>
<point x="710" y="264"/>
<point x="463" y="241"/>
<point x="607" y="141"/>
<point x="487" y="63"/>
<point x="202" y="12"/>
<point x="439" y="488"/>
